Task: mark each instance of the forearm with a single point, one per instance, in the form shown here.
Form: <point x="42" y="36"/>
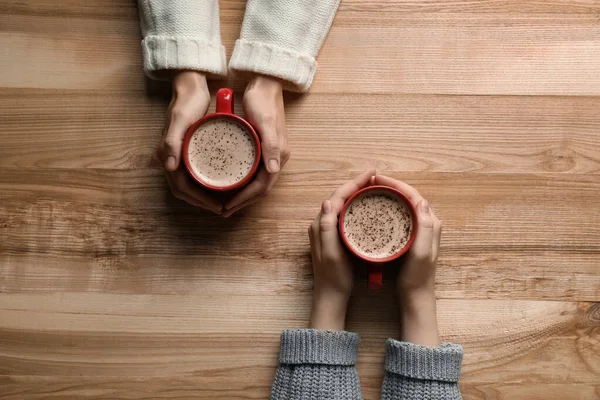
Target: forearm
<point x="182" y="34"/>
<point x="419" y="318"/>
<point x="281" y="38"/>
<point x="328" y="311"/>
<point x="316" y="364"/>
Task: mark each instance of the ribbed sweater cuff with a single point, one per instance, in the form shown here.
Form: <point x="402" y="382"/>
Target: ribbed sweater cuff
<point x="311" y="346"/>
<point x="169" y="53"/>
<point x="267" y="59"/>
<point x="422" y="362"/>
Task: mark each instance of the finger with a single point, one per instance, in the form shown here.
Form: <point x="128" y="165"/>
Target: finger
<point x="315" y="243"/>
<point x="422" y="246"/>
<point x="179" y="182"/>
<point x="330" y="239"/>
<point x="341" y="194"/>
<point x="270" y="145"/>
<point x="193" y="202"/>
<point x="285" y="151"/>
<point x="182" y="196"/>
<point x="413" y="195"/>
<point x="247" y="203"/>
<point x="161" y="153"/>
<point x="259" y="186"/>
<point x="437" y="236"/>
<point x="315" y="227"/>
<point x="174" y="141"/>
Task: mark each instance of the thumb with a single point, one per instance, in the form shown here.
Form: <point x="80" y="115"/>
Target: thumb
<point x="271" y="148"/>
<point x="330" y="239"/>
<point x="422" y="246"/>
<point x="185" y="111"/>
<point x="173" y="144"/>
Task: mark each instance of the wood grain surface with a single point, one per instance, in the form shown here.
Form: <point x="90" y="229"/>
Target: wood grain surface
<point x="112" y="289"/>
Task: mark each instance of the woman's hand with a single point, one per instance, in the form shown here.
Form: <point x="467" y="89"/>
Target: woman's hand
<point x="189" y="103"/>
<point x="332" y="267"/>
<point x="416" y="277"/>
<point x="263" y="108"/>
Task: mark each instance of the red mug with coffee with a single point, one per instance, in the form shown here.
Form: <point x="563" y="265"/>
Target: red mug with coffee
<point x="378" y="224"/>
<point x="222" y="151"/>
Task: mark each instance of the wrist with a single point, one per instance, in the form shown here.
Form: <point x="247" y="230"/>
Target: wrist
<point x="265" y="82"/>
<point x="328" y="311"/>
<point x="187" y="81"/>
<point x="419" y="317"/>
<point x="413" y="300"/>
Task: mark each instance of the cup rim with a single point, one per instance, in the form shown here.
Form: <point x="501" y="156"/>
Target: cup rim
<point x="188" y="137"/>
<point x="379" y="188"/>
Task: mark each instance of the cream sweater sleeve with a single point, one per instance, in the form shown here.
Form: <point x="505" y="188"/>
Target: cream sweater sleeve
<point x="181" y="34"/>
<point x="282" y="38"/>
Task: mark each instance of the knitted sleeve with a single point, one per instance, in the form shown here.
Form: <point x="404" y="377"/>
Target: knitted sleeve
<point x="281" y="38"/>
<point x="317" y="365"/>
<point x="182" y="34"/>
<point x="420" y="372"/>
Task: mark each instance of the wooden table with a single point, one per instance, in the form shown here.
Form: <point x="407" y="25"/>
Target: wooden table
<point x="111" y="288"/>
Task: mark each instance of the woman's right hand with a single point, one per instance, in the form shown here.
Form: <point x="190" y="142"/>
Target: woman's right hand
<point x="416" y="276"/>
<point x="419" y="265"/>
<point x="189" y="103"/>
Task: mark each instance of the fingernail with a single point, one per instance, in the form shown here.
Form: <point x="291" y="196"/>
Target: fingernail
<point x="326" y="208"/>
<point x="373" y="180"/>
<point x="171" y="163"/>
<point x="424" y="206"/>
<point x="273" y="166"/>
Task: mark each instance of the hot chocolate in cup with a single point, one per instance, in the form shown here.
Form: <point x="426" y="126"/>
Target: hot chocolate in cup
<point x="378" y="224"/>
<point x="221" y="151"/>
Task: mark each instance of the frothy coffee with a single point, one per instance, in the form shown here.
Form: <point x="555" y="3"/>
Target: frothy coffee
<point x="378" y="224"/>
<point x="222" y="152"/>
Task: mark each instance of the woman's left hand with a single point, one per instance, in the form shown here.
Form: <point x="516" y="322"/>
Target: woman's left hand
<point x="263" y="108"/>
<point x="332" y="267"/>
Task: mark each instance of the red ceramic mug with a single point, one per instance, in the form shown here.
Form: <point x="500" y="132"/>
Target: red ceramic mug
<point x="375" y="265"/>
<point x="224" y="111"/>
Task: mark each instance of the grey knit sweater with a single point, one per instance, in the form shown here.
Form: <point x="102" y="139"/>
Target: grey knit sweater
<point x="320" y="365"/>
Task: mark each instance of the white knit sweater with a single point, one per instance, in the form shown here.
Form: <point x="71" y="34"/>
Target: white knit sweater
<point x="279" y="37"/>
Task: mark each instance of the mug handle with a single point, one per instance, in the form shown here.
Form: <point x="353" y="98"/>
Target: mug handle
<point x="225" y="101"/>
<point x="375" y="272"/>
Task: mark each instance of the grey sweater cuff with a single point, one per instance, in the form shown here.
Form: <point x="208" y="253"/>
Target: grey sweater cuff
<point x="422" y="362"/>
<point x="311" y="346"/>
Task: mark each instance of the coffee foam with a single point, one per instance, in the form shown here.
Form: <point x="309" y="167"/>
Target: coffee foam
<point x="222" y="152"/>
<point x="378" y="224"/>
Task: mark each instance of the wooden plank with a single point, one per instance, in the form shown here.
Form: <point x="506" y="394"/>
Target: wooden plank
<point x="392" y="52"/>
<point x="108" y="9"/>
<point x="21" y="387"/>
<point x="74" y="130"/>
<point x="119" y="8"/>
<point x="103" y="334"/>
<point x="540" y="391"/>
<point x="86" y="225"/>
<point x="509" y="275"/>
<point x="482" y="54"/>
<point x="396" y="132"/>
<point x="529" y="7"/>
